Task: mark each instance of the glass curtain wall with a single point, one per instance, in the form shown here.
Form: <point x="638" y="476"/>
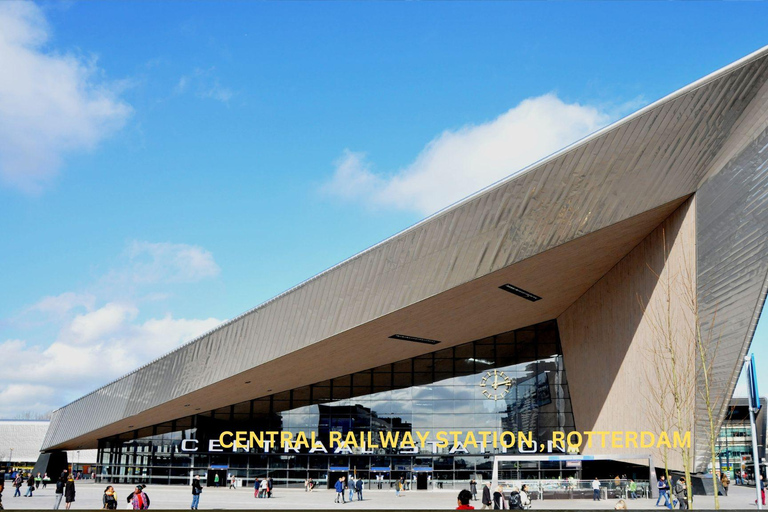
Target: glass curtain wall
<point x="513" y="381"/>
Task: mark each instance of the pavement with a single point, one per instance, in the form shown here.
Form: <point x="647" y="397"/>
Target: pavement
<point x="170" y="497"/>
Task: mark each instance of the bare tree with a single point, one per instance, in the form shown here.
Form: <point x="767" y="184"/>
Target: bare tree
<point x="672" y="378"/>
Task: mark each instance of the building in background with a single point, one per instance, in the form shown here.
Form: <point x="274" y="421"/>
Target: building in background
<point x="516" y="308"/>
<point x="20" y="444"/>
<point x="734" y="442"/>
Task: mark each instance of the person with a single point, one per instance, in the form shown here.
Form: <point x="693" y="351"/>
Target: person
<point x="351" y="487"/>
<point x="196" y="490"/>
<point x="38" y="481"/>
<point x="2" y="488"/>
<point x="515" y="503"/>
<point x="762" y="490"/>
<point x="595" y="489"/>
<point x="463" y="500"/>
<point x="725" y="482"/>
<point x="270" y="484"/>
<point x="473" y="489"/>
<point x="216" y="479"/>
<point x="17" y="482"/>
<point x="231" y="481"/>
<point x="498" y="498"/>
<point x="632" y="489"/>
<point x="359" y="489"/>
<point x="311" y="484"/>
<point x="486" y="497"/>
<point x="681" y="492"/>
<point x="379" y="480"/>
<point x="397" y="488"/>
<point x="109" y="500"/>
<point x="737" y="477"/>
<point x="340" y="490"/>
<point x="69" y="492"/>
<point x="30" y="486"/>
<point x="145" y="496"/>
<point x="60" y="483"/>
<point x="663" y="487"/>
<point x="263" y="488"/>
<point x="620" y="505"/>
<point x="46" y="481"/>
<point x="525" y="497"/>
<point x="139" y="499"/>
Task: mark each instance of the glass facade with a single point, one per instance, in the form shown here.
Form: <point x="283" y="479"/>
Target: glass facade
<point x="447" y="401"/>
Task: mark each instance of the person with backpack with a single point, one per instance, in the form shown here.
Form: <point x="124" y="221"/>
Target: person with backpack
<point x="196" y="490"/>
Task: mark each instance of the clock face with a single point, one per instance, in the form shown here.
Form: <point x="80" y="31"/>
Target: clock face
<point x="495" y="384"/>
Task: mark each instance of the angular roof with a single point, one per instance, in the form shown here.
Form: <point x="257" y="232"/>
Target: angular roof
<point x="539" y="229"/>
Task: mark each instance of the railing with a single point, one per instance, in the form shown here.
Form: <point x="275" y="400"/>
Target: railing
<point x="577" y="489"/>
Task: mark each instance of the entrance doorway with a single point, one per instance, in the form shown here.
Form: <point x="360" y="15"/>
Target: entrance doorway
<point x="422" y="481"/>
<point x="333" y="477"/>
<point x="211" y="480"/>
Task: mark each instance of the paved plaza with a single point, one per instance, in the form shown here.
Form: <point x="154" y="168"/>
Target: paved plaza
<point x="179" y="497"/>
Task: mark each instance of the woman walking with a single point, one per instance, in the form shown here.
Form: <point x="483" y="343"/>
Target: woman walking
<point x="69" y="492"/>
<point x="109" y="500"/>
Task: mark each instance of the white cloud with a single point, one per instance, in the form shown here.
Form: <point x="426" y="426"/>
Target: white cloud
<point x="169" y="263"/>
<point x="91" y="350"/>
<point x="83" y="339"/>
<point x="204" y="84"/>
<point x="51" y="104"/>
<point x="460" y="162"/>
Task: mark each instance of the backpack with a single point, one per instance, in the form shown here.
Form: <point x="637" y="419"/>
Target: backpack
<point x="514" y="501"/>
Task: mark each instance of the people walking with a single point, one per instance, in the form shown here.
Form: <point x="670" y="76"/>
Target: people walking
<point x="17" y="483"/>
<point x="270" y="485"/>
<point x="473" y="489"/>
<point x="196" y="490"/>
<point x="216" y="479"/>
<point x="525" y="497"/>
<point x="69" y="492"/>
<point x="59" y="494"/>
<point x="663" y="487"/>
<point x="30" y="486"/>
<point x="38" y="481"/>
<point x="359" y="489"/>
<point x="681" y="492"/>
<point x="498" y="498"/>
<point x="109" y="499"/>
<point x="632" y="490"/>
<point x="46" y="481"/>
<point x="231" y="481"/>
<point x="725" y="482"/>
<point x="263" y="487"/>
<point x="486" y="498"/>
<point x="340" y="490"/>
<point x="139" y="499"/>
<point x="351" y="487"/>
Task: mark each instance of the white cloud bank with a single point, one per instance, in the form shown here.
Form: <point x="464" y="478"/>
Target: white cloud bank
<point x="51" y="104"/>
<point x="101" y="333"/>
<point x="460" y="162"/>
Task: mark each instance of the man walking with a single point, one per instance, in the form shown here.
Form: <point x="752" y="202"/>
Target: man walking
<point x="351" y="487"/>
<point x="663" y="487"/>
<point x="17" y="484"/>
<point x="359" y="489"/>
<point x="60" y="483"/>
<point x="595" y="489"/>
<point x="681" y="492"/>
<point x="196" y="490"/>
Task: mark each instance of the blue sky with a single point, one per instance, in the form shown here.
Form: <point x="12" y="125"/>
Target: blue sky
<point x="166" y="166"/>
